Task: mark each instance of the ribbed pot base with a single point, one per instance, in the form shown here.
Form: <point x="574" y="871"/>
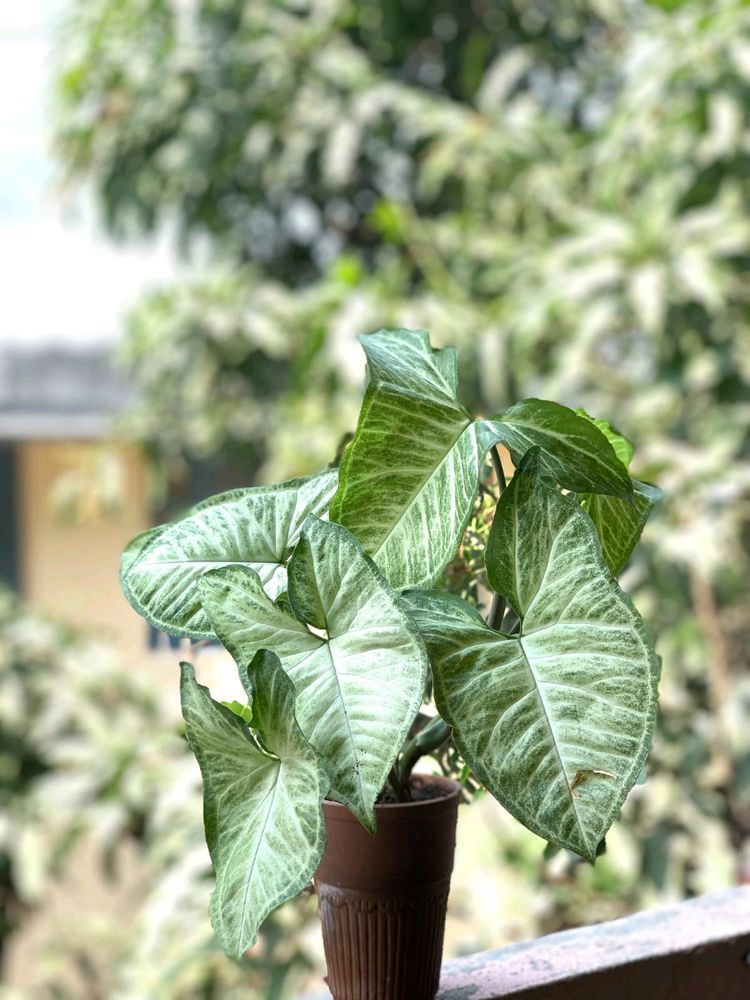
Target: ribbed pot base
<point x="383" y="898"/>
<point x="381" y="945"/>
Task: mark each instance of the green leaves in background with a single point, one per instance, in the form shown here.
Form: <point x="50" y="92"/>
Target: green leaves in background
<point x="360" y="683"/>
<point x="557" y="721"/>
<point x="622" y="447"/>
<point x="262" y="799"/>
<point x="408" y="480"/>
<point x="619" y="523"/>
<point x="256" y="527"/>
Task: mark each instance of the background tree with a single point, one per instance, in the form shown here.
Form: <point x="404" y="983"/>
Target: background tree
<point x="560" y="188"/>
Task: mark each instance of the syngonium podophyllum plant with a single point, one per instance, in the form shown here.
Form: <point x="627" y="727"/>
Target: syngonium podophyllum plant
<point x="321" y="590"/>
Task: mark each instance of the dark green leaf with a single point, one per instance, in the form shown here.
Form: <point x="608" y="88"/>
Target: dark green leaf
<point x="619" y="524"/>
<point x="573" y="451"/>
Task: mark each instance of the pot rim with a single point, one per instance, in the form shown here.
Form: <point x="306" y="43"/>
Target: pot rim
<point x="452" y="792"/>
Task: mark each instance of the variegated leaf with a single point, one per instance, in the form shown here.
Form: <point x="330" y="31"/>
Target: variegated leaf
<point x="429" y="372"/>
<point x="556" y="721"/>
<point x="572" y="450"/>
<point x="256" y="527"/>
<point x="360" y="676"/>
<point x="408" y="480"/>
<point x="619" y="523"/>
<point x="408" y="483"/>
<point x="262" y="805"/>
<point x="136" y="545"/>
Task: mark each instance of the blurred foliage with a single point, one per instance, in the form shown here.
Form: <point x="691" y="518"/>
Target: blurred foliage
<point x="562" y="189"/>
<point x="92" y="754"/>
<point x="230" y="367"/>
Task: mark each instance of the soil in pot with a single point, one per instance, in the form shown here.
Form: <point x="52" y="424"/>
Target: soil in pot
<point x="383" y="898"/>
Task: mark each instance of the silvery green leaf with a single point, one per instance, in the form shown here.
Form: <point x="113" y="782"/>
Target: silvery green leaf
<point x="256" y="527"/>
<point x="557" y="721"/>
<point x="408" y="480"/>
<point x="136" y="545"/>
<point x="619" y="523"/>
<point x="360" y="683"/>
<point x="408" y="483"/>
<point x="428" y="371"/>
<point x="262" y="810"/>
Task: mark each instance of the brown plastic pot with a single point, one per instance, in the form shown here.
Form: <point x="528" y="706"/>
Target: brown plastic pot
<point x="383" y="898"/>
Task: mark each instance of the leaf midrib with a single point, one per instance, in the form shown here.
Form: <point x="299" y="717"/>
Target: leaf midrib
<point x="445" y="392"/>
<point x="211" y="562"/>
<point x="250" y="869"/>
<point x="548" y="564"/>
<point x="352" y="742"/>
<point x="340" y="700"/>
<point x="545" y="712"/>
<point x="469" y="424"/>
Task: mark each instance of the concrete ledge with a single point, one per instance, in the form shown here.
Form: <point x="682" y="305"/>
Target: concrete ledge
<point x="697" y="949"/>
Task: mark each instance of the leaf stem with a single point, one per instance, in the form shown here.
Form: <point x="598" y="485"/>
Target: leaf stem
<point x="434" y="734"/>
<point x="498" y="605"/>
<point x="497" y="611"/>
<point x="400" y="788"/>
<point x="497" y="465"/>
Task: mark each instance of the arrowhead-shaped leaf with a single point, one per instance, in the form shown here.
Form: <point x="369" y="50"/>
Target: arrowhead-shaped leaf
<point x="256" y="527"/>
<point x="408" y="480"/>
<point x="429" y="372"/>
<point x="262" y="811"/>
<point x="619" y="523"/>
<point x="557" y="721"/>
<point x="360" y="684"/>
<point x="572" y="449"/>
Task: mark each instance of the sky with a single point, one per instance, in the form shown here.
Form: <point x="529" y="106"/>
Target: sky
<point x="61" y="281"/>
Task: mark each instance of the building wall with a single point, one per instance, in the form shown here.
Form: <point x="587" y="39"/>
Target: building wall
<point x="77" y="506"/>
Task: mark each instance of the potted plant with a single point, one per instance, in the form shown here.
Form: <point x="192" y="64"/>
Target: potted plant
<point x="321" y="589"/>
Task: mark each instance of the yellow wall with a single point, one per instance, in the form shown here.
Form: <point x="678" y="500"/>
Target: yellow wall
<point x="78" y="506"/>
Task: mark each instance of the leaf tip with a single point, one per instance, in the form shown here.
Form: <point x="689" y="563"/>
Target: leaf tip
<point x="210" y="579"/>
<point x="368" y="821"/>
<point x="187" y="671"/>
<point x="311" y="523"/>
